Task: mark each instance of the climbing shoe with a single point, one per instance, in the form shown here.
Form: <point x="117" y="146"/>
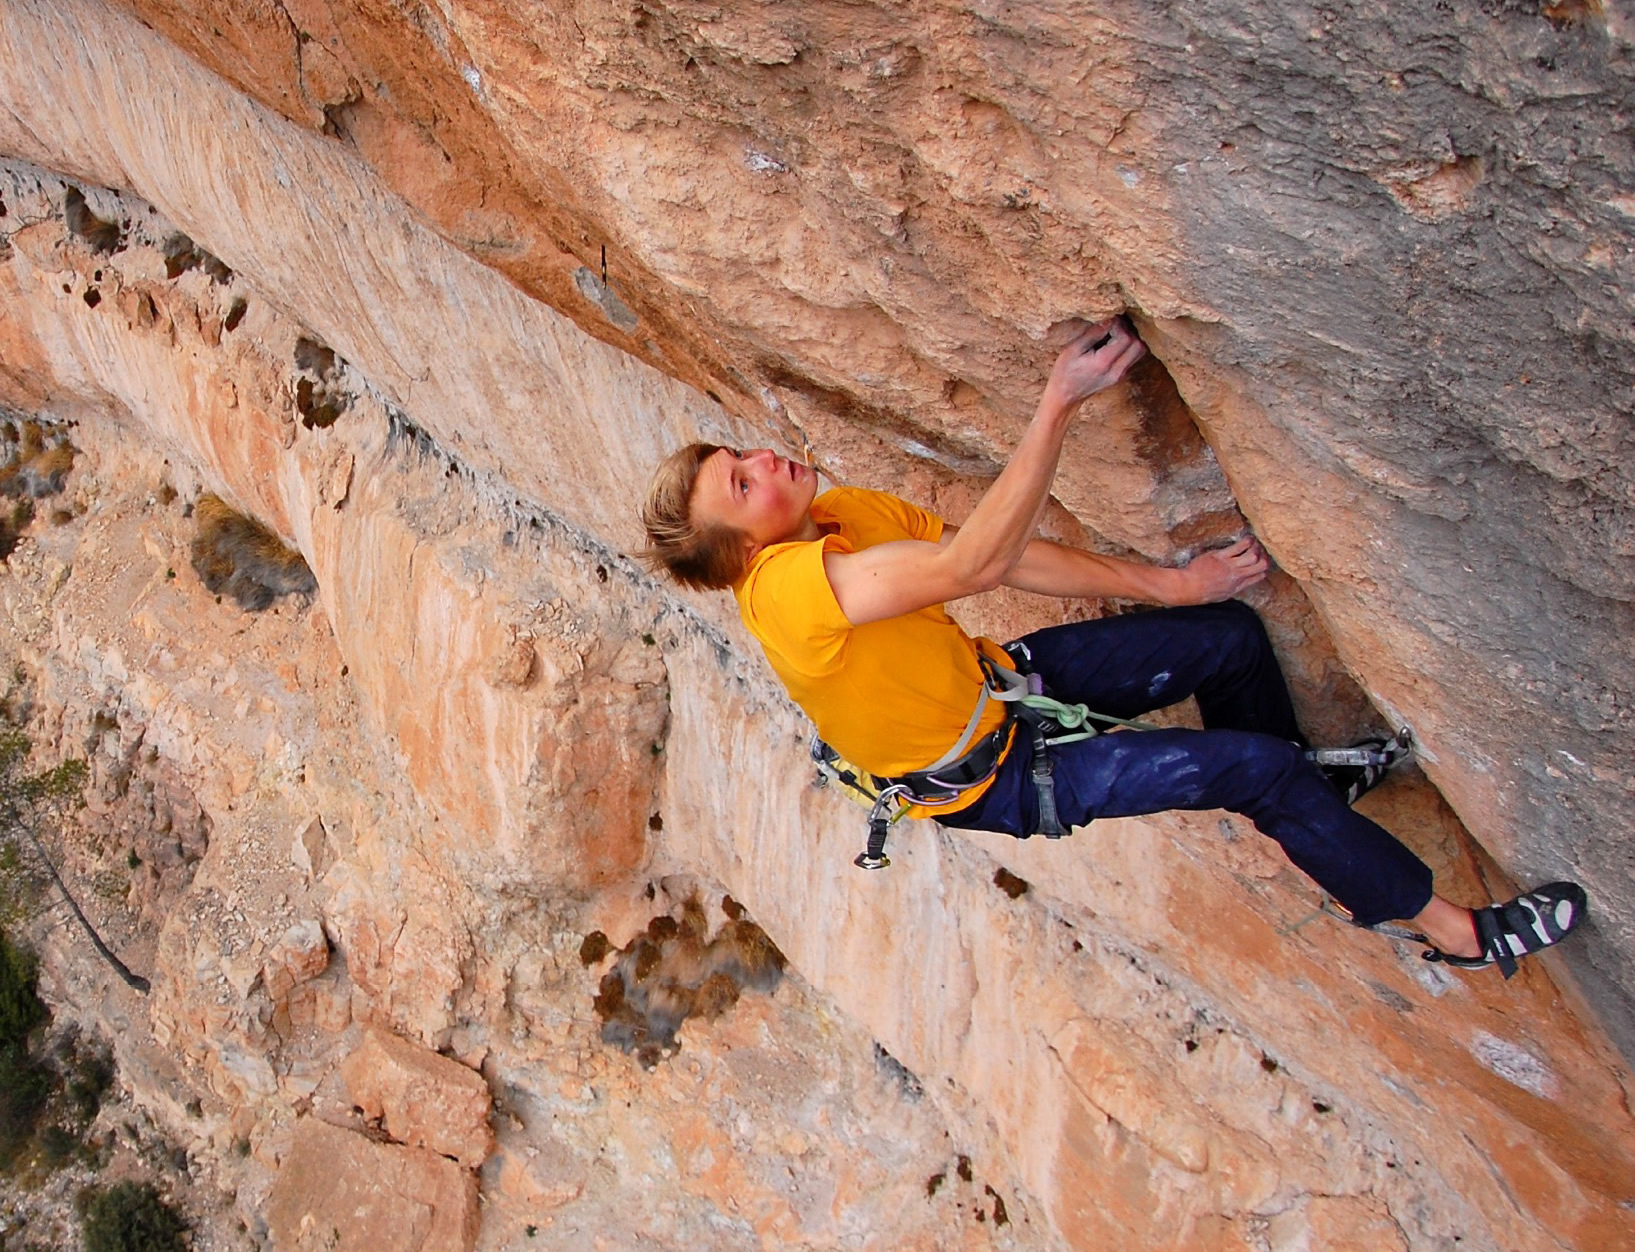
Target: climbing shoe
<point x="1357" y="770"/>
<point x="1530" y="923"/>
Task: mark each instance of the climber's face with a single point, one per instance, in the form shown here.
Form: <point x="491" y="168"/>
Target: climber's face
<point x="760" y="494"/>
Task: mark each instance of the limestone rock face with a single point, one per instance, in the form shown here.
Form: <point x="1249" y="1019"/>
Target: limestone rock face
<point x="343" y="266"/>
<point x="329" y="894"/>
<point x="299" y="956"/>
<point x="420" y="1098"/>
<point x="338" y="1190"/>
<point x="1384" y="256"/>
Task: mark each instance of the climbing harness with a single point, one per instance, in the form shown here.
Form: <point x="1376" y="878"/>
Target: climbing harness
<point x="1048" y="721"/>
<point x="880" y="796"/>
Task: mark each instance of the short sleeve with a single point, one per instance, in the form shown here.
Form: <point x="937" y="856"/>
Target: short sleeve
<point x="918" y="522"/>
<point x="788" y="604"/>
<point x="871" y="517"/>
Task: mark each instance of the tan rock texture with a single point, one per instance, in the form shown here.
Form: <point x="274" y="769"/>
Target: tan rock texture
<point x="1383" y="259"/>
<point x="337" y="1190"/>
<point x="420" y="1098"/>
<point x="467" y="940"/>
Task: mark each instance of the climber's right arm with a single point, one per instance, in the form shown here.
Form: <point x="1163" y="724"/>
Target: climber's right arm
<point x="890" y="579"/>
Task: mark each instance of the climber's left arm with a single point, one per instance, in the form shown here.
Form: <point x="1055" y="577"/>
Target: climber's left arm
<point x="1052" y="569"/>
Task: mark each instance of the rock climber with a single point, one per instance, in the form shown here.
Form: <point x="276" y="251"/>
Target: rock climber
<point x="845" y="592"/>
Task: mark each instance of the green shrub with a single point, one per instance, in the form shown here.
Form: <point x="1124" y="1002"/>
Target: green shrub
<point x="25" y="1084"/>
<point x="130" y="1217"/>
<point x="25" y="1089"/>
<point x="22" y="887"/>
<point x="89" y="1072"/>
<point x="57" y="1145"/>
<point x="20" y="1007"/>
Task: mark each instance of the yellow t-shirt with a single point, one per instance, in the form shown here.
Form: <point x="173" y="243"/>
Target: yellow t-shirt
<point x="890" y="696"/>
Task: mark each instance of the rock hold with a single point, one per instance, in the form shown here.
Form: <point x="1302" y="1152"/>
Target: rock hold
<point x="298" y="957"/>
<point x="420" y="1098"/>
<point x="337" y="1191"/>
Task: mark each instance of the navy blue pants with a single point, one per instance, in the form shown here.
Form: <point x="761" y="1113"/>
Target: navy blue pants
<point x="1249" y="759"/>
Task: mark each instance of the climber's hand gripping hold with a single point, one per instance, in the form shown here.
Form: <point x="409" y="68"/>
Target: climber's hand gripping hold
<point x="890" y="579"/>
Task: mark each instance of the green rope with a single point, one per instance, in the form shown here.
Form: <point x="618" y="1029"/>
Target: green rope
<point x="1077" y="717"/>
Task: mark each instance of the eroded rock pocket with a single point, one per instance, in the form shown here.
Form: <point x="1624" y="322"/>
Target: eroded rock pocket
<point x="321" y="397"/>
<point x="37" y="461"/>
<point x="237" y="556"/>
<point x="675" y="970"/>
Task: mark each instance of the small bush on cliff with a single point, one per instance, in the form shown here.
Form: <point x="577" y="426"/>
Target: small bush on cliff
<point x="21" y="1008"/>
<point x="237" y="556"/>
<point x="25" y="1090"/>
<point x="87" y="1073"/>
<point x="46" y="1102"/>
<point x="129" y="1217"/>
<point x="25" y="1084"/>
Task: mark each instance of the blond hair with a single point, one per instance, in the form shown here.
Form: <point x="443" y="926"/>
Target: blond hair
<point x="701" y="557"/>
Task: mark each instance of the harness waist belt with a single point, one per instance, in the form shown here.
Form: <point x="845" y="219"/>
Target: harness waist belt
<point x="940" y="784"/>
<point x="948" y="779"/>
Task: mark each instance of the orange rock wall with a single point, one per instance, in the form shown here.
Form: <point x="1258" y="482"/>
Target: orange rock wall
<point x="1367" y="258"/>
<point x="1385" y="260"/>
